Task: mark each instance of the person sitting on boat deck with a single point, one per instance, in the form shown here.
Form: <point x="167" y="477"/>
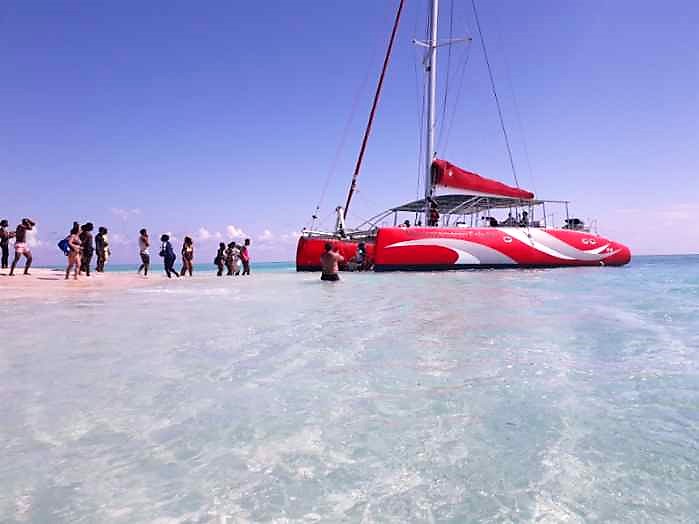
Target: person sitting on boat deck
<point x="220" y="258"/>
<point x="510" y="220"/>
<point x="524" y="221"/>
<point x="433" y="217"/>
<point x="491" y="221"/>
<point x="406" y="223"/>
<point x="330" y="262"/>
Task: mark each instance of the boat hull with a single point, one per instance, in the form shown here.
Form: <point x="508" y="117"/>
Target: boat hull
<point x="434" y="248"/>
<point x="309" y="250"/>
<point x="425" y="249"/>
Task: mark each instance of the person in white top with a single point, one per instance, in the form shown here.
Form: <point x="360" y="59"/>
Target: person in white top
<point x="143" y="245"/>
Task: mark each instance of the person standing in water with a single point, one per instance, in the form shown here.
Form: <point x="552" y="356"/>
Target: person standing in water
<point x="235" y="259"/>
<point x="5" y="237"/>
<point x="101" y="249"/>
<point x="220" y="258"/>
<point x="231" y="256"/>
<point x="168" y="255"/>
<point x="143" y="251"/>
<point x="88" y="248"/>
<point x="187" y="256"/>
<point x="74" y="248"/>
<point x="245" y="256"/>
<point x="21" y="246"/>
<point x="330" y="262"/>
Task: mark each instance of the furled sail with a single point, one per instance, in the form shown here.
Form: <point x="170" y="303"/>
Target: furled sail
<point x="448" y="175"/>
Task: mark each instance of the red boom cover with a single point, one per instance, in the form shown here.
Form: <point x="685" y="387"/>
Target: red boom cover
<point x="448" y="175"/>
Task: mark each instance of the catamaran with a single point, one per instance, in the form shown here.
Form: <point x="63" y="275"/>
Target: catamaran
<point x="454" y="224"/>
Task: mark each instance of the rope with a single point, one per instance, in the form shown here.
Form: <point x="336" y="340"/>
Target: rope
<point x="420" y="90"/>
<point x="495" y="93"/>
<point x="367" y="132"/>
<point x="520" y="125"/>
<point x="467" y="55"/>
<point x="343" y="139"/>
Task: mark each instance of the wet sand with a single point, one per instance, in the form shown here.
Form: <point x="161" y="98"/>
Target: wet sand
<point x="42" y="282"/>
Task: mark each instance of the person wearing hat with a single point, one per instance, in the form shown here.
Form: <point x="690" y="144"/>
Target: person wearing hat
<point x="21" y="246"/>
<point x="5" y="237"/>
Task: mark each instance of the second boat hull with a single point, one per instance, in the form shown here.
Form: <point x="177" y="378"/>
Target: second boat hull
<point x="425" y="249"/>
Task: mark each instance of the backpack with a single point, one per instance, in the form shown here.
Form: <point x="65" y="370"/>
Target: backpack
<point x="64" y="246"/>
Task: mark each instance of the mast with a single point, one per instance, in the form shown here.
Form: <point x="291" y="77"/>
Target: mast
<point x="431" y="68"/>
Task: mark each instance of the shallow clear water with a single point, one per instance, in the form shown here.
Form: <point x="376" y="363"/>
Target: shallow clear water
<point x="566" y="395"/>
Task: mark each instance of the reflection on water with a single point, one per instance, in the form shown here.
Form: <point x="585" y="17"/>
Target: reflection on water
<point x="542" y="396"/>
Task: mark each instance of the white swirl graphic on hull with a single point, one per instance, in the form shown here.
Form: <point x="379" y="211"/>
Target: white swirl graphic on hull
<point x="468" y="253"/>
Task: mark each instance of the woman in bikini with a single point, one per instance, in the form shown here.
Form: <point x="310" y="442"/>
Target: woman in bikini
<point x="187" y="256"/>
<point x="75" y="246"/>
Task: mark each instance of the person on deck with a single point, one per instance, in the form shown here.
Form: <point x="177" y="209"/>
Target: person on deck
<point x="143" y="251"/>
<point x="510" y="220"/>
<point x="406" y="223"/>
<point x="330" y="262"/>
<point x="168" y="255"/>
<point x="101" y="248"/>
<point x="433" y="217"/>
<point x="187" y="256"/>
<point x="21" y="246"/>
<point x="245" y="256"/>
<point x="74" y="248"/>
<point x="88" y="248"/>
<point x="5" y="237"/>
<point x="524" y="221"/>
<point x="220" y="259"/>
<point x="360" y="258"/>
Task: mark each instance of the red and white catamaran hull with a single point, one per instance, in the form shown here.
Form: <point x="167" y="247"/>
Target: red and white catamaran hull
<point x="434" y="248"/>
<point x="492" y="247"/>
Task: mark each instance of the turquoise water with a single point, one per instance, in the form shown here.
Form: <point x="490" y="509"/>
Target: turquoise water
<point x="157" y="267"/>
<point x="567" y="395"/>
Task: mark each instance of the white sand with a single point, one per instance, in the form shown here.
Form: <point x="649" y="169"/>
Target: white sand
<point x="49" y="282"/>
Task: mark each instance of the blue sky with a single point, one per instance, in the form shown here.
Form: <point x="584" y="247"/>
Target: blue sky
<point x="221" y="117"/>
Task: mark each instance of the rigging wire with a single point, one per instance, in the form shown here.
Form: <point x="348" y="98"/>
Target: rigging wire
<point x="495" y="93"/>
<point x="421" y="90"/>
<point x="377" y="95"/>
<point x="345" y="132"/>
<point x="448" y="73"/>
<point x="467" y="56"/>
<point x="508" y="76"/>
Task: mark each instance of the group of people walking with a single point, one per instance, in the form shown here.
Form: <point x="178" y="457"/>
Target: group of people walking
<point x="80" y="247"/>
<point x="232" y="256"/>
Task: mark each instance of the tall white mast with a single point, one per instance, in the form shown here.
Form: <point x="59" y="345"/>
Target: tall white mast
<point x="431" y="67"/>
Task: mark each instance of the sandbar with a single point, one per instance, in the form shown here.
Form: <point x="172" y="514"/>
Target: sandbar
<point x="43" y="282"/>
